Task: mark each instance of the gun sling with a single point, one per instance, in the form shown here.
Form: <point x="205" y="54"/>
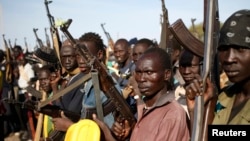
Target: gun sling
<point x="106" y="80"/>
<point x="65" y="90"/>
<point x="97" y="92"/>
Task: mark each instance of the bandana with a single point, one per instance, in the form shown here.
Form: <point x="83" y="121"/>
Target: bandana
<point x="236" y="30"/>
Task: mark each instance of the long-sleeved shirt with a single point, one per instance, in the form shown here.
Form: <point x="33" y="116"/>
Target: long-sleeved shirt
<point x="166" y="120"/>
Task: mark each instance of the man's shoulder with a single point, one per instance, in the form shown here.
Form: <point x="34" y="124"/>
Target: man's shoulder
<point x="129" y="67"/>
<point x="176" y="108"/>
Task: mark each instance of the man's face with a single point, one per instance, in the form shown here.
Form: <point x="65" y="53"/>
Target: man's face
<point x="235" y="62"/>
<point x="83" y="64"/>
<point x="188" y="71"/>
<point x="121" y="52"/>
<point x="68" y="58"/>
<point x="150" y="75"/>
<point x="138" y="50"/>
<point x="16" y="52"/>
<point x="44" y="80"/>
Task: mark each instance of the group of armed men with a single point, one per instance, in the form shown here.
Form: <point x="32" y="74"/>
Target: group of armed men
<point x="163" y="108"/>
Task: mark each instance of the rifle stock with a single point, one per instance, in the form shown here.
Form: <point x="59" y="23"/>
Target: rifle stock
<point x="106" y="81"/>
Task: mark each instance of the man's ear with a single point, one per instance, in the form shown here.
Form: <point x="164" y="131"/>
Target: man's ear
<point x="168" y="74"/>
<point x="100" y="55"/>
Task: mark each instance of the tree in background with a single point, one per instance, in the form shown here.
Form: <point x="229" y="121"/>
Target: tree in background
<point x="197" y="29"/>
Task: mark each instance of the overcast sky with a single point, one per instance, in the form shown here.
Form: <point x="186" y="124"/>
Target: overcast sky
<point x="122" y="18"/>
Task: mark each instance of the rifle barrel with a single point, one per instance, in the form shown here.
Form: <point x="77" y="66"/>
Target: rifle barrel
<point x="208" y="50"/>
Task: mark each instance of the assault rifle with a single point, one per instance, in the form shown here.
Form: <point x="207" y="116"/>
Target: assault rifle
<point x="15" y="41"/>
<point x="190" y="42"/>
<point x="8" y="62"/>
<point x="39" y="41"/>
<point x="166" y="35"/>
<point x="53" y="31"/>
<point x="50" y="110"/>
<point x="106" y="81"/>
<point x="10" y="44"/>
<point x="194" y="29"/>
<point x="110" y="40"/>
<point x="212" y="19"/>
<point x="26" y="44"/>
<point x="47" y="38"/>
<point x="203" y="117"/>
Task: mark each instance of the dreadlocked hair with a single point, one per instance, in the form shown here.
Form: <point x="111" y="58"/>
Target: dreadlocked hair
<point x="94" y="37"/>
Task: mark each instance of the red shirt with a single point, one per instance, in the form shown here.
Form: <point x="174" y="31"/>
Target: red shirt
<point x="165" y="121"/>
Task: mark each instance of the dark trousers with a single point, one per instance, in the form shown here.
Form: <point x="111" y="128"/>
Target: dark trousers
<point x="1" y="128"/>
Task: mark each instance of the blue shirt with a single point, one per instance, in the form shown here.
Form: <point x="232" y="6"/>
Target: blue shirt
<point x="89" y="101"/>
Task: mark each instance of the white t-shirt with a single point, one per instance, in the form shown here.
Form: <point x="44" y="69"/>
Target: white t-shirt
<point x="26" y="73"/>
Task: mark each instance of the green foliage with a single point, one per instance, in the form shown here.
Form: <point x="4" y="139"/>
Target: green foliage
<point x="197" y="30"/>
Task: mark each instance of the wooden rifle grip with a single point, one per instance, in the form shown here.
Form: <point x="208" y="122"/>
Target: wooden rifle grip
<point x="40" y="122"/>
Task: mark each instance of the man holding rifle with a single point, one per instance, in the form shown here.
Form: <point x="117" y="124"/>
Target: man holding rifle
<point x="234" y="55"/>
<point x="95" y="45"/>
<point x="44" y="77"/>
<point x="72" y="100"/>
<point x="89" y="104"/>
<point x="160" y="117"/>
<point x="189" y="65"/>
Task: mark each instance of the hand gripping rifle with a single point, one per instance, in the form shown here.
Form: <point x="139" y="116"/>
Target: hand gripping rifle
<point x="209" y="53"/>
<point x="214" y="74"/>
<point x="106" y="81"/>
